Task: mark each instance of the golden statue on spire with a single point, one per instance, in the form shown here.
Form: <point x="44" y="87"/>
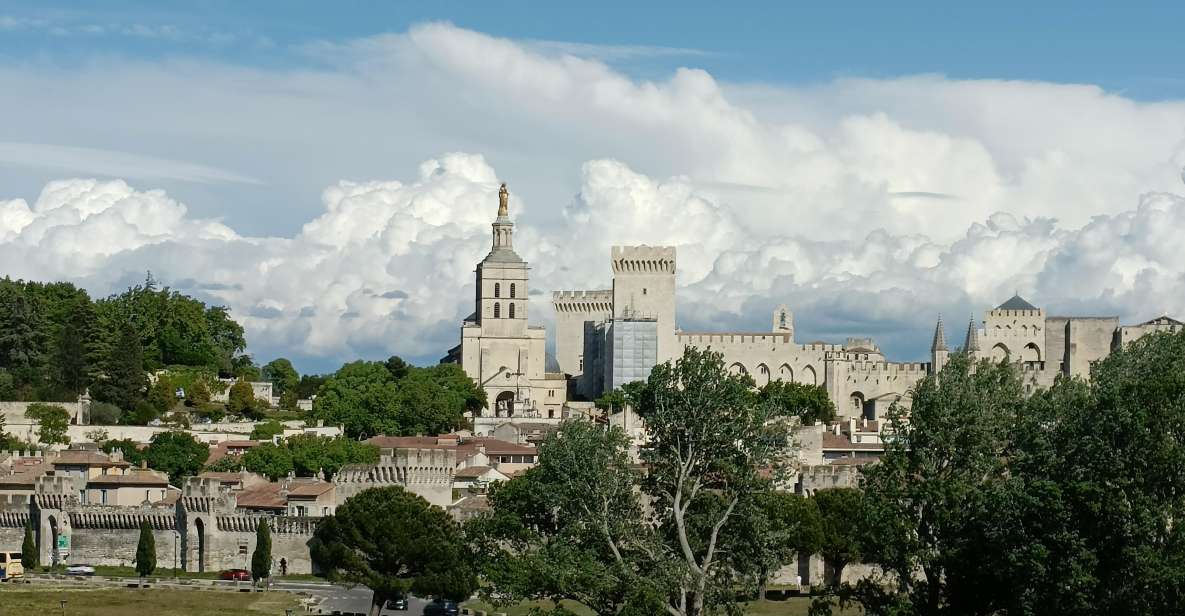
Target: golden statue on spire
<point x="503" y="198"/>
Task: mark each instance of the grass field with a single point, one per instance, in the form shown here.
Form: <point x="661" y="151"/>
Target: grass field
<point x="794" y="606"/>
<point x="149" y="602"/>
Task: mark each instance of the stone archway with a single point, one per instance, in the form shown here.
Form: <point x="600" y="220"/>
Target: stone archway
<point x="762" y="378"/>
<point x="809" y="377"/>
<point x="200" y="528"/>
<point x="55" y="557"/>
<point x="504" y="404"/>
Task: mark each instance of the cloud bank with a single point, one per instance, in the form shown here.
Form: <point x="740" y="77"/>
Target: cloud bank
<point x="869" y="206"/>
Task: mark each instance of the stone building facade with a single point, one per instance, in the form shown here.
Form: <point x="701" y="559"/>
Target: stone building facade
<point x="858" y="377"/>
<point x="202" y="526"/>
<point x="500" y="350"/>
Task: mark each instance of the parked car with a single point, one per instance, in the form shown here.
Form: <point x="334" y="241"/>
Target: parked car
<point x="236" y="575"/>
<point x="398" y="603"/>
<point x="80" y="569"/>
<point x="442" y="607"/>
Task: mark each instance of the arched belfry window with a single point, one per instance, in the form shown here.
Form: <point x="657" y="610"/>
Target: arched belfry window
<point x="512" y="304"/>
<point x="512" y="292"/>
<point x="497" y="310"/>
<point x="498" y="289"/>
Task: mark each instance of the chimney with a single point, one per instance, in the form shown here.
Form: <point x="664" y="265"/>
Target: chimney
<point x="851" y="425"/>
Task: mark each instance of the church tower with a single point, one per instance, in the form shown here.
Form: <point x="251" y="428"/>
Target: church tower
<point x="502" y="278"/>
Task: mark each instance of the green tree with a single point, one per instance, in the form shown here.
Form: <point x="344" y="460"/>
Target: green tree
<point x="312" y="453"/>
<point x="162" y="395"/>
<point x="714" y="449"/>
<point x="282" y="375"/>
<point x="53" y="423"/>
<point x="274" y="461"/>
<point x="434" y="400"/>
<point x="572" y="528"/>
<point x="7" y="386"/>
<point x="126" y="446"/>
<point x="266" y="430"/>
<point x="241" y="400"/>
<point x="261" y="558"/>
<point x="177" y="453"/>
<point x="226" y="464"/>
<point x="397" y="367"/>
<point x="309" y="384"/>
<point x="289" y="401"/>
<point x="840" y="513"/>
<point x="810" y="403"/>
<point x="30" y="558"/>
<point x="104" y="414"/>
<point x="122" y="380"/>
<point x="362" y="398"/>
<point x="24" y="338"/>
<point x="73" y="346"/>
<point x="394" y="542"/>
<point x="198" y="393"/>
<point x="787" y="525"/>
<point x="928" y="504"/>
<point x="146" y="551"/>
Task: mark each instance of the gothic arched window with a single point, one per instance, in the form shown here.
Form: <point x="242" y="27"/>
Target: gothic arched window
<point x="512" y="306"/>
<point x="497" y="310"/>
<point x="498" y="289"/>
<point x="512" y="290"/>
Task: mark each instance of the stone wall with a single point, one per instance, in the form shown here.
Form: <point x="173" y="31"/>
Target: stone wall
<point x="233" y="542"/>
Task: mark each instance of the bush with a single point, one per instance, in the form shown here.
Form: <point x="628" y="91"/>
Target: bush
<point x="53" y="422"/>
<point x="265" y="431"/>
<point x="142" y="415"/>
<point x="104" y="414"/>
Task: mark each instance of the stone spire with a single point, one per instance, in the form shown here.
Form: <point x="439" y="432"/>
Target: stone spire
<point x="939" y="343"/>
<point x="972" y="343"/>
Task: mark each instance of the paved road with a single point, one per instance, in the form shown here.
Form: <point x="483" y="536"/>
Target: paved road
<point x="357" y="599"/>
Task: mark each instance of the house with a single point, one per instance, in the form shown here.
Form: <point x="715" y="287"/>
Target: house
<point x="302" y="497"/>
<point x="134" y="487"/>
<point x="230" y="448"/>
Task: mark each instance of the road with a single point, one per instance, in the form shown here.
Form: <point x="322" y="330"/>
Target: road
<point x="341" y="598"/>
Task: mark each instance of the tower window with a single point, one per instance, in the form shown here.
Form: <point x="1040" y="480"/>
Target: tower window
<point x="497" y="310"/>
<point x="498" y="289"/>
<point x="512" y="290"/>
<point x="512" y="306"/>
<point x="643" y="290"/>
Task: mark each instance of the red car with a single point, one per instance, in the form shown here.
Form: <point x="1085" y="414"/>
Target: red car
<point x="236" y="575"/>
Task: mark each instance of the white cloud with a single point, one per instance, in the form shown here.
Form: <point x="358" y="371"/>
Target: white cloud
<point x="869" y="205"/>
<point x="112" y="163"/>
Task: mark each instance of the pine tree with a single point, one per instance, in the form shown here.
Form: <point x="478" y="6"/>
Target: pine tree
<point x="29" y="556"/>
<point x="73" y="348"/>
<point x="123" y="368"/>
<point x="261" y="559"/>
<point x="146" y="551"/>
<point x="23" y="340"/>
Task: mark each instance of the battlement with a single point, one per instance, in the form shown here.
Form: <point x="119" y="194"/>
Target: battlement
<point x="600" y="300"/>
<point x="126" y="518"/>
<point x="284" y="525"/>
<point x="15" y="502"/>
<point x="1000" y="312"/>
<point x="403" y="466"/>
<point x="14" y="519"/>
<point x="643" y="259"/>
<point x="701" y="338"/>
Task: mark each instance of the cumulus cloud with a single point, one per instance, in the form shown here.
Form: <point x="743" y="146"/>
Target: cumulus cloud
<point x="867" y="205"/>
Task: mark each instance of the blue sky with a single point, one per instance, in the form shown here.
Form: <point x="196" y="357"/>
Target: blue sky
<point x="1135" y="49"/>
<point x="328" y="170"/>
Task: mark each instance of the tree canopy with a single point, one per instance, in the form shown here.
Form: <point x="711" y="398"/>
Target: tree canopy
<point x="177" y="453"/>
<point x="810" y="403"/>
<point x="394" y="542"/>
<point x="53" y="422"/>
<point x="366" y="399"/>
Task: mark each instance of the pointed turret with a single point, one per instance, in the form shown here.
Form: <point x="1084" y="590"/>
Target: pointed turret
<point x="972" y="343"/>
<point x="938" y="351"/>
<point x="939" y="343"/>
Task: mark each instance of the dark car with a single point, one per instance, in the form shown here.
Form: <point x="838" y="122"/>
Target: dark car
<point x="236" y="575"/>
<point x="442" y="607"/>
<point x="398" y="603"/>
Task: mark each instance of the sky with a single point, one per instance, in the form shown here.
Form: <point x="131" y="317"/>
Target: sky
<point x="329" y="170"/>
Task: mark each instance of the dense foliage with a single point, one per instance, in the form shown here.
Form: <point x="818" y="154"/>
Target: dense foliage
<point x="369" y="399"/>
<point x="177" y="453"/>
<point x="261" y="558"/>
<point x="574" y="526"/>
<point x="53" y="422"/>
<point x="394" y="542"/>
<point x="55" y="342"/>
<point x="810" y="403"/>
<point x="306" y="455"/>
<point x="146" y="551"/>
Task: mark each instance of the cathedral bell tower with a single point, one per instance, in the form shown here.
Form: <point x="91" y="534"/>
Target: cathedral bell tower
<point x="502" y="278"/>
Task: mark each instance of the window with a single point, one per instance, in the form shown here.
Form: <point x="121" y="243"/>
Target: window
<point x="498" y="289"/>
<point x="582" y="364"/>
<point x="512" y="290"/>
<point x="643" y="290"/>
<point x="82" y="496"/>
<point x="103" y="496"/>
<point x="512" y="308"/>
<point x="497" y="310"/>
<point x="242" y="549"/>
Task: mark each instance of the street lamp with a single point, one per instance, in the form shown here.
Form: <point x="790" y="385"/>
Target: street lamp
<point x="176" y="537"/>
<point x="63" y="602"/>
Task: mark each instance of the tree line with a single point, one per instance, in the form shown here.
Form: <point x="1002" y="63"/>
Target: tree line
<point x="989" y="500"/>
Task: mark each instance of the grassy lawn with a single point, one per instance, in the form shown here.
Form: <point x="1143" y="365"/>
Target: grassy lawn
<point x="794" y="606"/>
<point x="108" y="571"/>
<point x="162" y="601"/>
